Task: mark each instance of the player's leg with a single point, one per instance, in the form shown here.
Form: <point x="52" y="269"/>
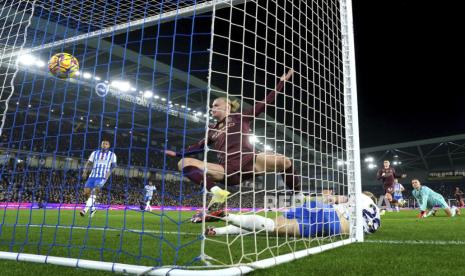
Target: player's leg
<point x="388" y="199"/>
<point x="93" y="209"/>
<point x="226" y="230"/>
<point x="251" y="222"/>
<point x="273" y="162"/>
<point x="289" y="227"/>
<point x="395" y="202"/>
<point x="147" y="204"/>
<point x="241" y="224"/>
<point x="462" y="203"/>
<point x="194" y="169"/>
<point x="431" y="212"/>
<point x="146" y="199"/>
<point x="89" y="186"/>
<point x="450" y="211"/>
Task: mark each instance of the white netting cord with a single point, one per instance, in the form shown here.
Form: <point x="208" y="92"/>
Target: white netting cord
<point x="350" y="104"/>
<point x="16" y="19"/>
<point x="324" y="166"/>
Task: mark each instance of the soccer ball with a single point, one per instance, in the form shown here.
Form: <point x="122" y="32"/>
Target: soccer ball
<point x="63" y="65"/>
<point x="401" y="202"/>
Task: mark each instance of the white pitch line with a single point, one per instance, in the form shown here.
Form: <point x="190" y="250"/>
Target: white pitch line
<point x="416" y="242"/>
<point x="102" y="229"/>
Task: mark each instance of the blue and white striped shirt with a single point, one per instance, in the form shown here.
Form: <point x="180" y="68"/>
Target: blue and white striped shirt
<point x="149" y="190"/>
<point x="101" y="163"/>
<point x="398" y="189"/>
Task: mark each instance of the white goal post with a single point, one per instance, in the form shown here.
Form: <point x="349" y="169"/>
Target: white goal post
<point x="176" y="58"/>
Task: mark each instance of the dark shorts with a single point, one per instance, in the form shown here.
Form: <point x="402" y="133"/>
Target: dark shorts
<point x="389" y="189"/>
<point x="236" y="174"/>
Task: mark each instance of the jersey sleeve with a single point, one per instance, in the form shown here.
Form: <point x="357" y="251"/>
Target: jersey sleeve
<point x="193" y="149"/>
<point x="259" y="107"/>
<point x="424" y="196"/>
<point x="379" y="173"/>
<point x="92" y="157"/>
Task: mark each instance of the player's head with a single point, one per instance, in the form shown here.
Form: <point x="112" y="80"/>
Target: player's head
<point x="105" y="144"/>
<point x="416" y="184"/>
<point x="396" y="180"/>
<point x="457" y="188"/>
<point x="222" y="107"/>
<point x="386" y="164"/>
<point x="150" y="183"/>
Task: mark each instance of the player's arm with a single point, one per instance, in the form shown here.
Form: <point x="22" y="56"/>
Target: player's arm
<point x="396" y="175"/>
<point x="402" y="188"/>
<point x="380" y="174"/>
<point x="198" y="147"/>
<point x="423" y="202"/>
<point x="259" y="107"/>
<point x="85" y="170"/>
<point x="88" y="165"/>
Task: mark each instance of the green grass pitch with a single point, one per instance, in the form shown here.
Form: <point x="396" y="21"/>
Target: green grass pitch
<point x="404" y="244"/>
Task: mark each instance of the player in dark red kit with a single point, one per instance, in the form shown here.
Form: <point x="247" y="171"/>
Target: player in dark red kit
<point x="459" y="197"/>
<point x="387" y="174"/>
<point x="229" y="138"/>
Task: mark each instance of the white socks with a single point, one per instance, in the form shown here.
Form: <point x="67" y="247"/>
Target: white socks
<point x="215" y="189"/>
<point x="230" y="229"/>
<point x="90" y="203"/>
<point x="453" y="210"/>
<point x="429" y="213"/>
<point x="251" y="222"/>
<point x="147" y="206"/>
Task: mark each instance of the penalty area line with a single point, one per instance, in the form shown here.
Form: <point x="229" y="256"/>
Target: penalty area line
<point x="427" y="242"/>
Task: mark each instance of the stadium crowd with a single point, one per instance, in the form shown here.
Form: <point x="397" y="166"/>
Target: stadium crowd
<point x="64" y="186"/>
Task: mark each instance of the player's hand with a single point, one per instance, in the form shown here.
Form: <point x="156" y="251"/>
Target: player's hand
<point x="383" y="175"/>
<point x="170" y="153"/>
<point x="287" y="76"/>
<point x="422" y="214"/>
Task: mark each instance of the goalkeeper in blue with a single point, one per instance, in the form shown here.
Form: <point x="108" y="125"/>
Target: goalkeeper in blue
<point x="316" y="218"/>
<point x="427" y="199"/>
<point x="103" y="161"/>
<point x="148" y="190"/>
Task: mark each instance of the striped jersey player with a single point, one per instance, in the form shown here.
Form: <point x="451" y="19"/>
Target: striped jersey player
<point x="103" y="161"/>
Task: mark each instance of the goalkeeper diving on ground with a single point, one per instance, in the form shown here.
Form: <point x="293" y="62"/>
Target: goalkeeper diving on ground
<point x="427" y="199"/>
<point x="317" y="217"/>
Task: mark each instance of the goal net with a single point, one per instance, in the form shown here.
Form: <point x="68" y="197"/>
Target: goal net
<point x="154" y="79"/>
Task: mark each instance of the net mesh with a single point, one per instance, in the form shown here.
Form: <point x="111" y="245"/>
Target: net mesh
<point x="149" y="73"/>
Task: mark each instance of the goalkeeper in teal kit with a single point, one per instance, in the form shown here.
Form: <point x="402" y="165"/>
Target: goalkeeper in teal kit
<point x="427" y="199"/>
